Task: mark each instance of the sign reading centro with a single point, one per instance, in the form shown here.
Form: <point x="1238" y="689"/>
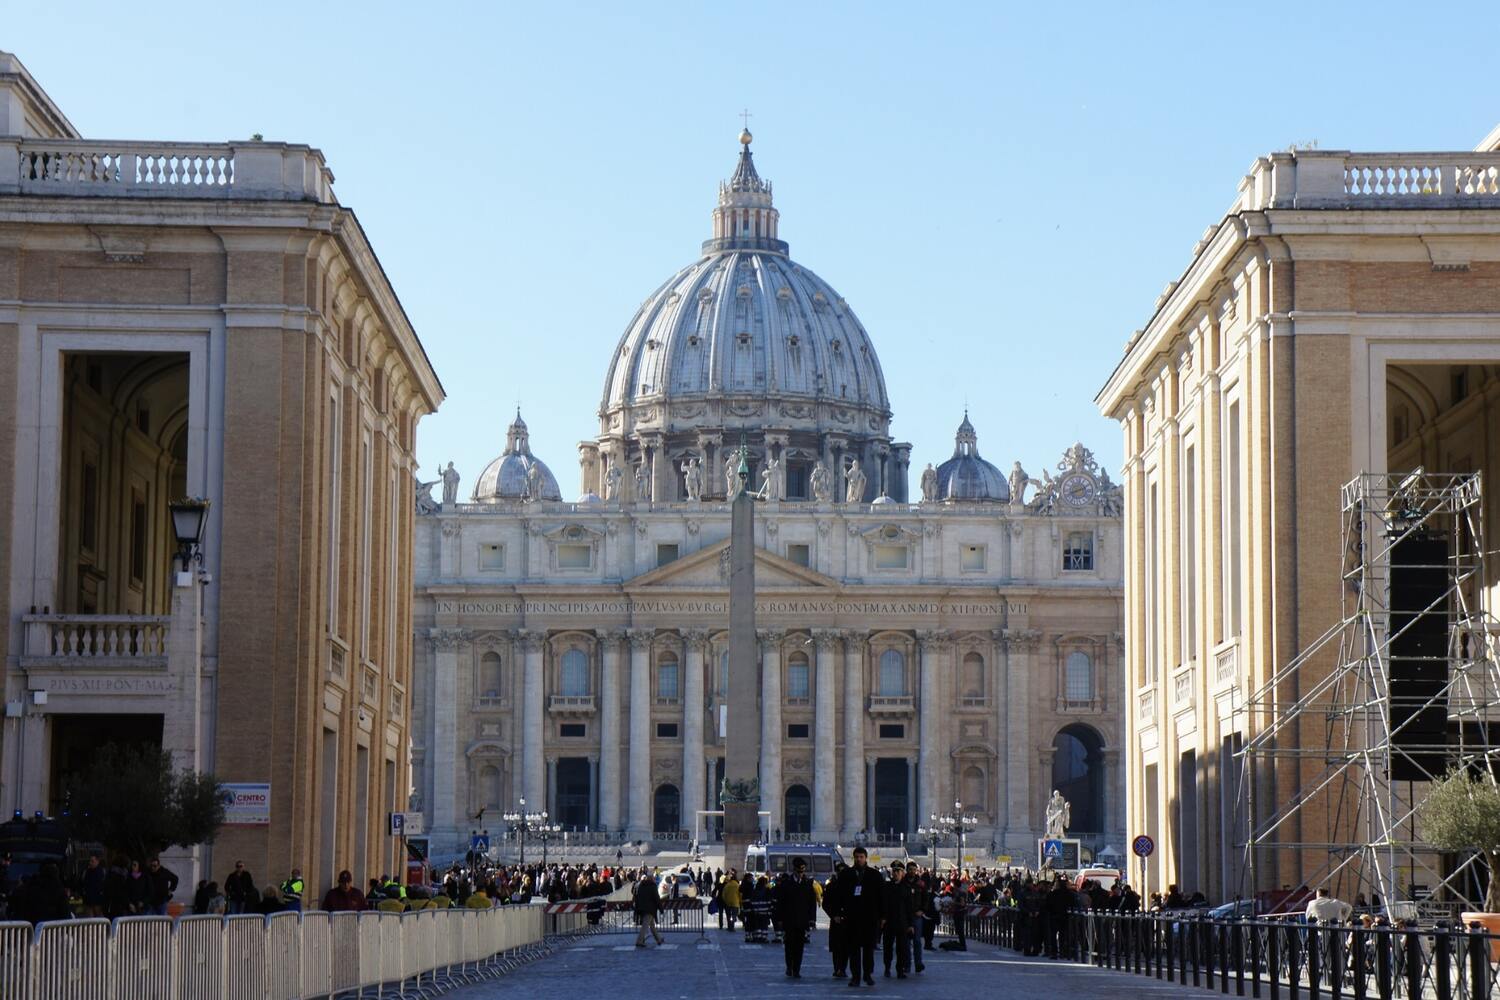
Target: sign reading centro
<point x="247" y="803"/>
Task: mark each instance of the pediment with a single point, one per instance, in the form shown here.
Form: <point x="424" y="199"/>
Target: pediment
<point x="708" y="569"/>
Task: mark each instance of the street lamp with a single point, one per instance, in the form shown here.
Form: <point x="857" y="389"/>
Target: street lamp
<point x="544" y="832"/>
<point x="523" y="822"/>
<point x="188" y="517"/>
<point x="955" y="824"/>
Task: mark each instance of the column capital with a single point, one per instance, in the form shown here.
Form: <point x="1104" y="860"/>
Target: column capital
<point x="1023" y="639"/>
<point x="771" y="637"/>
<point x="531" y="640"/>
<point x="827" y="639"/>
<point x="640" y="638"/>
<point x="936" y="640"/>
<point x="997" y="635"/>
<point x="612" y="635"/>
<point x="696" y="638"/>
<point x="448" y="638"/>
<point x="855" y="641"/>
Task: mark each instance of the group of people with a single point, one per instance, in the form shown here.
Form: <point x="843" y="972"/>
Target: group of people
<point x="123" y="888"/>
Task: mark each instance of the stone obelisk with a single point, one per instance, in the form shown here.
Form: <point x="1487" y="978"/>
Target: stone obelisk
<point x="741" y="792"/>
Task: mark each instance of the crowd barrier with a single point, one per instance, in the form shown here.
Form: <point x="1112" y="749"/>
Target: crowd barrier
<point x="599" y="915"/>
<point x="286" y="956"/>
<point x="1292" y="958"/>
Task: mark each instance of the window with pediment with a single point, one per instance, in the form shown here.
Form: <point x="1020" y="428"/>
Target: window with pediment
<point x="575" y="673"/>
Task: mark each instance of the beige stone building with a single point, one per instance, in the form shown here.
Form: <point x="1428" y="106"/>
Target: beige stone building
<point x="207" y="320"/>
<point x="958" y="645"/>
<point x="1341" y="318"/>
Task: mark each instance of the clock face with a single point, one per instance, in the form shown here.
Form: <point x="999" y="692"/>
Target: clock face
<point x="1078" y="489"/>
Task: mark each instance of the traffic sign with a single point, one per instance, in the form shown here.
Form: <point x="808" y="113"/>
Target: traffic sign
<point x="1052" y="849"/>
<point x="479" y="843"/>
<point x="1143" y="846"/>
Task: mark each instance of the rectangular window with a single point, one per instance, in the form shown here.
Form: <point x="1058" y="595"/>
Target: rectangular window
<point x="890" y="556"/>
<point x="971" y="558"/>
<point x="666" y="552"/>
<point x="796" y="481"/>
<point x="797" y="731"/>
<point x="799" y="554"/>
<point x="1078" y="551"/>
<point x="798" y="682"/>
<point x="88" y="506"/>
<point x="666" y="681"/>
<point x="1190" y="553"/>
<point x="572" y="730"/>
<point x="366" y="572"/>
<point x="137" y="538"/>
<point x="335" y="508"/>
<point x="575" y="556"/>
<point x="1232" y="507"/>
<point x="1149" y="598"/>
<point x="491" y="558"/>
<point x="666" y="730"/>
<point x="892" y="731"/>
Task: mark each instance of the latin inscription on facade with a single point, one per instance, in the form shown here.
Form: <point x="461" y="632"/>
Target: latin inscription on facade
<point x="624" y="607"/>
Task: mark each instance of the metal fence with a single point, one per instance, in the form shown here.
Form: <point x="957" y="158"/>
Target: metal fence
<point x="286" y="956"/>
<point x="601" y="916"/>
<point x="1277" y="959"/>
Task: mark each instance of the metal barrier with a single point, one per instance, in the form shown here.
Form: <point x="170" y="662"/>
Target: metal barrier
<point x="286" y="956"/>
<point x="599" y="915"/>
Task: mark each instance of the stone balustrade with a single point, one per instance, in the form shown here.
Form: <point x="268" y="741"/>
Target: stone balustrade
<point x="1341" y="179"/>
<point x="1227" y="663"/>
<point x="891" y="704"/>
<point x="258" y="171"/>
<point x="571" y="704"/>
<point x="135" y="641"/>
<point x="1146" y="706"/>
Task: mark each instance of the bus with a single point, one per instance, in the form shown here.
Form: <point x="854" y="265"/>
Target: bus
<point x="776" y="859"/>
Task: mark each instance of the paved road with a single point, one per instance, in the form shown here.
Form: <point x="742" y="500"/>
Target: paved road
<point x="610" y="967"/>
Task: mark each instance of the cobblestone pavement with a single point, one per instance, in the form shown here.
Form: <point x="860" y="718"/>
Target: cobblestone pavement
<point x="724" y="966"/>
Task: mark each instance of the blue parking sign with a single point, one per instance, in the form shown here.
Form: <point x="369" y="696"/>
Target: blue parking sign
<point x="479" y="843"/>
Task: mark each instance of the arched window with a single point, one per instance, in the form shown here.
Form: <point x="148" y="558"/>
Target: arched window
<point x="1078" y="677"/>
<point x="973" y="789"/>
<point x="488" y="792"/>
<point x="892" y="673"/>
<point x="490" y="677"/>
<point x="1078" y="772"/>
<point x="575" y="673"/>
<point x="666" y="811"/>
<point x="798" y="677"/>
<point x="667" y="677"/>
<point x="973" y="675"/>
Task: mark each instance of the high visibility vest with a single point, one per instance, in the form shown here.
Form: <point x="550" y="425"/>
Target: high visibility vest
<point x="392" y="886"/>
<point x="292" y="890"/>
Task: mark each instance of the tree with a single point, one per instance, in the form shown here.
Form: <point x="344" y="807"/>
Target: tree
<point x="131" y="800"/>
<point x="1462" y="813"/>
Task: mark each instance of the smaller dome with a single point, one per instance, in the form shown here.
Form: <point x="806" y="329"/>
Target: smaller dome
<point x="516" y="473"/>
<point x="968" y="478"/>
<point x="589" y="498"/>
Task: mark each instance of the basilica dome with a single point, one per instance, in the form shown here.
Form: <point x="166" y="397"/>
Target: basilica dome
<point x="966" y="476"/>
<point x="510" y="477"/>
<point x="744" y="320"/>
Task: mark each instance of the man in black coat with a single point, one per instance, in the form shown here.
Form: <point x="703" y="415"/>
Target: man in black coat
<point x="796" y="908"/>
<point x="856" y="907"/>
<point x="896" y="922"/>
<point x="837" y="934"/>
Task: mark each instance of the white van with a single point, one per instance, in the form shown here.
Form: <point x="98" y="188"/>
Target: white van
<point x="775" y="859"/>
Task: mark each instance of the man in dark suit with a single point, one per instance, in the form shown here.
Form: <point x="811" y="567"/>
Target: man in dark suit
<point x="858" y="899"/>
<point x="796" y="908"/>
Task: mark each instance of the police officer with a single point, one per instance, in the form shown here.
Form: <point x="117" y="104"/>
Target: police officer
<point x="796" y="908"/>
<point x="291" y="890"/>
<point x="896" y="921"/>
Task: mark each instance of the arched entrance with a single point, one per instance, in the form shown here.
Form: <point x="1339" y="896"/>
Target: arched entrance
<point x="666" y="810"/>
<point x="798" y="810"/>
<point x="1078" y="772"/>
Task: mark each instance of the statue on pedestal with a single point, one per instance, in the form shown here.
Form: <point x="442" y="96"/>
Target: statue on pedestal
<point x="612" y="482"/>
<point x="732" y="484"/>
<point x="929" y="484"/>
<point x="450" y="484"/>
<point x="425" y="503"/>
<point x="770" y="480"/>
<point x="533" y="482"/>
<point x="822" y="489"/>
<point x="1059" y="816"/>
<point x="692" y="479"/>
<point x="855" y="493"/>
<point x="643" y="482"/>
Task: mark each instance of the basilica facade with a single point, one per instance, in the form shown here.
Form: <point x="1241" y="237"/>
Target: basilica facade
<point x="955" y="647"/>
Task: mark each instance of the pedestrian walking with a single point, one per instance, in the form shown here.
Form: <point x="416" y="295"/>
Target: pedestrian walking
<point x="161" y="883"/>
<point x="796" y="908"/>
<point x="91" y="887"/>
<point x="647" y="903"/>
<point x="838" y="934"/>
<point x="921" y="899"/>
<point x="729" y="896"/>
<point x="238" y="887"/>
<point x="857" y="906"/>
<point x="896" y="922"/>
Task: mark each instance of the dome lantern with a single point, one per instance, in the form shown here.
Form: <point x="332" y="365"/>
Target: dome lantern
<point x="745" y="218"/>
<point x="966" y="477"/>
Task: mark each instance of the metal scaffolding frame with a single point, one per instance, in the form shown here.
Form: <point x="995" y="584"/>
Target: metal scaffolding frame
<point x="1354" y="825"/>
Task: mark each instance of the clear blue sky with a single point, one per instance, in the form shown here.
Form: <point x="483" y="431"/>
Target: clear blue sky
<point x="1000" y="191"/>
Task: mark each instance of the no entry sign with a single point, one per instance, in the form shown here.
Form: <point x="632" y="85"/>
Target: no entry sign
<point x="1143" y="846"/>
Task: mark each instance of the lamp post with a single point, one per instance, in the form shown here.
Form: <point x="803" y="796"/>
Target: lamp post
<point x="523" y="822"/>
<point x="545" y="832"/>
<point x="955" y="824"/>
<point x="188" y="517"/>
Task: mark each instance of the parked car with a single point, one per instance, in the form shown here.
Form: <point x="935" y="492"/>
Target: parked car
<point x="1106" y="877"/>
<point x="686" y="887"/>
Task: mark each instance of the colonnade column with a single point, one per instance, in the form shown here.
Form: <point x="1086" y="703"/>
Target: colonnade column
<point x="931" y="647"/>
<point x="442" y="752"/>
<point x="1000" y="700"/>
<point x="854" y="732"/>
<point x="824" y="825"/>
<point x="638" y="826"/>
<point x="770" y="725"/>
<point x="1020" y="644"/>
<point x="692" y="727"/>
<point x="609" y="730"/>
<point x="533" y="768"/>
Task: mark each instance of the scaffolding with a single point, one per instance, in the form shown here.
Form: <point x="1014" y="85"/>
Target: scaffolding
<point x="1346" y="749"/>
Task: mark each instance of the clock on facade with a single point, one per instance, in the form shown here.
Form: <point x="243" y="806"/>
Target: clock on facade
<point x="1078" y="489"/>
